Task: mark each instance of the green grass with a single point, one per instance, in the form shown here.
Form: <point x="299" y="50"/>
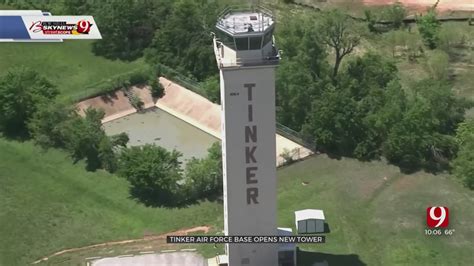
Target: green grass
<point x="70" y="65"/>
<point x="378" y="222"/>
<point x="48" y="205"/>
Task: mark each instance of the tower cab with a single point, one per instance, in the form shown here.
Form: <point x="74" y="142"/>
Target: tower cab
<point x="245" y="38"/>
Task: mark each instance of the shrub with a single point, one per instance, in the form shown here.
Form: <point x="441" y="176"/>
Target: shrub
<point x="153" y="173"/>
<point x="396" y="13"/>
<point x="204" y="176"/>
<point x="22" y="91"/>
<point x="138" y="78"/>
<point x="287" y="156"/>
<point x="211" y="88"/>
<point x="136" y="102"/>
<point x="428" y="26"/>
<point x="438" y="65"/>
<point x="464" y="163"/>
<point x="157" y="90"/>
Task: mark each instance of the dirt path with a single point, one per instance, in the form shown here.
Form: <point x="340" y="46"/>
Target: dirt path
<point x="444" y="5"/>
<point x="203" y="229"/>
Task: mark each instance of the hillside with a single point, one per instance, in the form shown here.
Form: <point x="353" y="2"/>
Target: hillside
<point x="48" y="205"/>
<point x="69" y="65"/>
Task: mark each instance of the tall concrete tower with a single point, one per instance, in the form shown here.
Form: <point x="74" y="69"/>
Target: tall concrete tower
<point x="247" y="58"/>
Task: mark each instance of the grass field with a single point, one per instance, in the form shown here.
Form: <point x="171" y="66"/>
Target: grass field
<point x="48" y="204"/>
<point x="70" y="65"/>
<point x="376" y="214"/>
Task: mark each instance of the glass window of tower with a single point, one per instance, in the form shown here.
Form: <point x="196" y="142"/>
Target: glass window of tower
<point x="242" y="43"/>
<point x="255" y="43"/>
<point x="268" y="37"/>
<point x="226" y="39"/>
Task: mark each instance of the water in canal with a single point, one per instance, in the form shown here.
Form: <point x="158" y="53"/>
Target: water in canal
<point x="159" y="127"/>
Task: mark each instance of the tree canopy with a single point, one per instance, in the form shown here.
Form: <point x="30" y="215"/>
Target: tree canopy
<point x="204" y="176"/>
<point x="127" y="26"/>
<point x="338" y="33"/>
<point x="22" y="91"/>
<point x="153" y="173"/>
<point x="184" y="41"/>
<point x="429" y="27"/>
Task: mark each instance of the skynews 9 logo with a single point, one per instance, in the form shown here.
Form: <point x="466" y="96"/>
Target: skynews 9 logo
<point x="437" y="220"/>
<point x="61" y="27"/>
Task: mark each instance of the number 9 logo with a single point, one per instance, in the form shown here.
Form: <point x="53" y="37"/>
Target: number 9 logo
<point x="437" y="216"/>
<point x="83" y="26"/>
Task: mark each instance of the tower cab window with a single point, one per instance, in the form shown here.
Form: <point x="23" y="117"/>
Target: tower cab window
<point x="255" y="43"/>
<point x="268" y="37"/>
<point x="242" y="43"/>
<point x="246" y="43"/>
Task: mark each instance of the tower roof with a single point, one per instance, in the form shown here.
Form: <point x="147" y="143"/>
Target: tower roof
<point x="236" y="21"/>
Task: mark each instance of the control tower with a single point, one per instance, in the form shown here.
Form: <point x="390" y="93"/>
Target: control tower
<point x="247" y="57"/>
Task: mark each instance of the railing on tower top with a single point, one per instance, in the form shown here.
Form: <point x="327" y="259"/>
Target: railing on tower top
<point x="266" y="17"/>
<point x="243" y="8"/>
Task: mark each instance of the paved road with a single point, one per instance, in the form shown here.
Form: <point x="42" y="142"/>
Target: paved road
<point x="168" y="259"/>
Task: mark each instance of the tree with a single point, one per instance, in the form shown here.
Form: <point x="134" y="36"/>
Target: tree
<point x="184" y="42"/>
<point x="58" y="126"/>
<point x="303" y="70"/>
<point x="153" y="173"/>
<point x="366" y="73"/>
<point x="47" y="125"/>
<point x="53" y="6"/>
<point x="106" y="155"/>
<point x="368" y="80"/>
<point x="85" y="138"/>
<point x="343" y="119"/>
<point x="212" y="88"/>
<point x="76" y="7"/>
<point x="447" y="109"/>
<point x="127" y="27"/>
<point x="428" y="26"/>
<point x="333" y="122"/>
<point x="157" y="90"/>
<point x="296" y="90"/>
<point x="464" y="162"/>
<point x="382" y="108"/>
<point x="371" y="19"/>
<point x="21" y="92"/>
<point x="396" y="13"/>
<point x="82" y="137"/>
<point x="409" y="139"/>
<point x="423" y="137"/>
<point x="338" y="34"/>
<point x="120" y="139"/>
<point x="204" y="176"/>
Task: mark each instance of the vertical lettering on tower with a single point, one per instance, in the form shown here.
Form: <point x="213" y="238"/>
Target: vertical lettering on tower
<point x="251" y="137"/>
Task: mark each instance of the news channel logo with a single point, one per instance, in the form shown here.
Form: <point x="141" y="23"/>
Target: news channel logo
<point x="437" y="221"/>
<point x="61" y="27"/>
